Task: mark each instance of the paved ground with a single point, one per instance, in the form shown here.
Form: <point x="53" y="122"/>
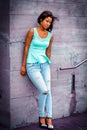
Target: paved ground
<point x="76" y="122"/>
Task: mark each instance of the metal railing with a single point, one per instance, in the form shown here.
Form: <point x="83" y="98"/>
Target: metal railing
<point x="73" y="91"/>
<point x="74" y="67"/>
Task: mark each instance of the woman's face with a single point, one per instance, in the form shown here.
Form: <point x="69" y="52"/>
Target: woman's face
<point x="46" y="22"/>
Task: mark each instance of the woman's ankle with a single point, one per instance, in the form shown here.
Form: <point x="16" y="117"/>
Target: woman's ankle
<point x="49" y="123"/>
<point x="42" y="122"/>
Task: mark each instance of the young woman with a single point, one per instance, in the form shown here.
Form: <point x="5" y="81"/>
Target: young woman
<point x="36" y="62"/>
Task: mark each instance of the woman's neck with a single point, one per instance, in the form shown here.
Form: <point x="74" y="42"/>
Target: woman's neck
<point x="41" y="28"/>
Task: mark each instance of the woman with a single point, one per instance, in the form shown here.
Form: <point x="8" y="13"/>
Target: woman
<point x="36" y="61"/>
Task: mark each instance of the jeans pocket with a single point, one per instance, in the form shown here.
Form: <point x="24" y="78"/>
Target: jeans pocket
<point x="29" y="65"/>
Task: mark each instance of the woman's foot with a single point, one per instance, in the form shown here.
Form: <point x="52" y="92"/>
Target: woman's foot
<point x="49" y="123"/>
<point x="42" y="122"/>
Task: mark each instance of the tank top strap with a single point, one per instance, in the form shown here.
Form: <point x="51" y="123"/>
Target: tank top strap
<point x="35" y="32"/>
<point x="49" y="35"/>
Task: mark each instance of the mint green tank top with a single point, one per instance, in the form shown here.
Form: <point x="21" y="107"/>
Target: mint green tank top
<point x="37" y="49"/>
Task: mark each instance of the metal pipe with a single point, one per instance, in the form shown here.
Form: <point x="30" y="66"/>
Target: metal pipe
<point x="67" y="68"/>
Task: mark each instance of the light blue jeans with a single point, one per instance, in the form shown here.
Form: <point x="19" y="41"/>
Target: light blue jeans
<point x="40" y="76"/>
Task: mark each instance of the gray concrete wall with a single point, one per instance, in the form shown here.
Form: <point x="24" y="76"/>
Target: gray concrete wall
<point x="4" y="64"/>
<point x="69" y="48"/>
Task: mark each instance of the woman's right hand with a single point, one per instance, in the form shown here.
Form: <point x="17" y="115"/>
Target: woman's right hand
<point x="26" y="48"/>
<point x="23" y="70"/>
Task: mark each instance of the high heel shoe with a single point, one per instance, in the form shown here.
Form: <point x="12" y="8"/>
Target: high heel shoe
<point x="42" y="122"/>
<point x="49" y="123"/>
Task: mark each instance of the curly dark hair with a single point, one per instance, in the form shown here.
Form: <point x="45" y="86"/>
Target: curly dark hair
<point x="44" y="15"/>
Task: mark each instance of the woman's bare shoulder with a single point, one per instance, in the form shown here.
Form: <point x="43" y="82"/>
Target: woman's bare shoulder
<point x="31" y="31"/>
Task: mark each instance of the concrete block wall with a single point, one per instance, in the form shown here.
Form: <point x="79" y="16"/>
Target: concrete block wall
<point x="4" y="63"/>
<point x="69" y="48"/>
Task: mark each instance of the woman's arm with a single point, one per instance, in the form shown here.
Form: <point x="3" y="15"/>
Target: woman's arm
<point x="26" y="47"/>
<point x="48" y="50"/>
